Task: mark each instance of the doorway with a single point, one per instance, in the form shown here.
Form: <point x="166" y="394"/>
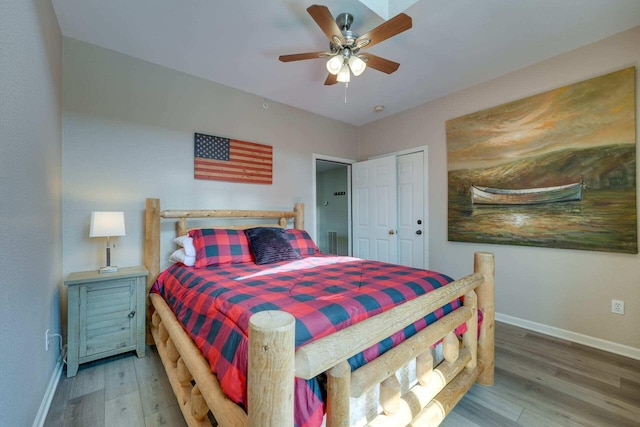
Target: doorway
<point x="333" y="206"/>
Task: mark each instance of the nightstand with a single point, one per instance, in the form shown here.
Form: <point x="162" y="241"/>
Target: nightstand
<point x="105" y="315"/>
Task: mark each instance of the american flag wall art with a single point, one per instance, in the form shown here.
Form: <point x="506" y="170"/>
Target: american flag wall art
<point x="224" y="159"/>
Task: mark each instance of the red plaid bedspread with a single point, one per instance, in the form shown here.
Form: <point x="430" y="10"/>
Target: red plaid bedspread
<point x="323" y="293"/>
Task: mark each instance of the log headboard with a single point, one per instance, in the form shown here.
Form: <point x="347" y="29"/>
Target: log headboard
<point x="153" y="217"/>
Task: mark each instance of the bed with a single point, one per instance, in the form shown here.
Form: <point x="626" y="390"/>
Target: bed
<point x="276" y="363"/>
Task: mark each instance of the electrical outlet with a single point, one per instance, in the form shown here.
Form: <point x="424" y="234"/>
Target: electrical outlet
<point x="617" y="306"/>
<point x="46" y="340"/>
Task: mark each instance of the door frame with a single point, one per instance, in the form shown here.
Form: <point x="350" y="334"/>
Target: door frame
<point x="314" y="207"/>
<point x="425" y="151"/>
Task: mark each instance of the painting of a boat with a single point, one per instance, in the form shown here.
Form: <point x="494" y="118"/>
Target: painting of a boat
<point x="520" y="155"/>
<point x="526" y="196"/>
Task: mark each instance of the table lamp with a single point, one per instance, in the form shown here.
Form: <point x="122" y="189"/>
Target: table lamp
<point x="107" y="224"/>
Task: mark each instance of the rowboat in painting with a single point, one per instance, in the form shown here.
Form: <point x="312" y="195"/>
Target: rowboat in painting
<point x="525" y="196"/>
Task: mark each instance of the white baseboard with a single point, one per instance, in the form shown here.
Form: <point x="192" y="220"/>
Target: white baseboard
<point x="50" y="392"/>
<point x="598" y="343"/>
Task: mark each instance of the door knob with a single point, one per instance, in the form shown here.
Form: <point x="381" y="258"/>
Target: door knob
<point x="392" y="231"/>
<point x="419" y="232"/>
<point x="130" y="315"/>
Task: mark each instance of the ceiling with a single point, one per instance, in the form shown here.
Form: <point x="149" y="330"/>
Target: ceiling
<point x="453" y="44"/>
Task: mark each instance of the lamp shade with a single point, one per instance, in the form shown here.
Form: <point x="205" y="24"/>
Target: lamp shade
<point x="357" y="65"/>
<point x="344" y="76"/>
<point x="335" y="64"/>
<point x="105" y="224"/>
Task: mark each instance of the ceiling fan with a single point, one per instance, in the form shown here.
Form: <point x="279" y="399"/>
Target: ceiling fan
<point x="344" y="45"/>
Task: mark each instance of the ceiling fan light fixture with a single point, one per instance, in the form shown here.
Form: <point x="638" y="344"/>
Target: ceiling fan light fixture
<point x="357" y="65"/>
<point x="344" y="76"/>
<point x="335" y="64"/>
<point x="343" y="56"/>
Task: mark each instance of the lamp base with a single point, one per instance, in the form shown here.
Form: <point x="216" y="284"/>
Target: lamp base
<point x="108" y="269"/>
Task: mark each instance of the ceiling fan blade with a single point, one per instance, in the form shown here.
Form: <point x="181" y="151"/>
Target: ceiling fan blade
<point x="301" y="56"/>
<point x="331" y="80"/>
<point x="390" y="28"/>
<point x="325" y="21"/>
<point x="380" y="64"/>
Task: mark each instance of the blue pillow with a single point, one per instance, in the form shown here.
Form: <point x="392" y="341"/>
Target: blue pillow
<point x="269" y="245"/>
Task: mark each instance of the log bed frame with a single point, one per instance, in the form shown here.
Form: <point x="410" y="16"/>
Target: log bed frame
<point x="274" y="362"/>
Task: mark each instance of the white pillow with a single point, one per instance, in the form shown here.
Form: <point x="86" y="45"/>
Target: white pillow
<point x="187" y="243"/>
<point x="180" y="255"/>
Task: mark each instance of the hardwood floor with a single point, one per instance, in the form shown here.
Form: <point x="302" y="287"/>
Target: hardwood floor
<point x="540" y="381"/>
<point x="119" y="391"/>
<point x="545" y="381"/>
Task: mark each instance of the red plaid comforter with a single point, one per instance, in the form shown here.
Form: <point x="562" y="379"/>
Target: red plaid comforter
<point x="323" y="293"/>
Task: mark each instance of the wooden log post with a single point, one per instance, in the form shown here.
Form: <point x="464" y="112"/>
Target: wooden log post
<point x="450" y="347"/>
<point x="151" y="254"/>
<point x="298" y="222"/>
<point x="172" y="352"/>
<point x="199" y="408"/>
<point x="390" y="395"/>
<point x="270" y="379"/>
<point x="484" y="264"/>
<point x="155" y="319"/>
<point x="181" y="227"/>
<point x="163" y="334"/>
<point x="338" y="394"/>
<point x="424" y="367"/>
<point x="470" y="338"/>
<point x="183" y="374"/>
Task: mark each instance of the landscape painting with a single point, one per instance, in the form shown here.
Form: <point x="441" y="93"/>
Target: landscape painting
<point x="555" y="170"/>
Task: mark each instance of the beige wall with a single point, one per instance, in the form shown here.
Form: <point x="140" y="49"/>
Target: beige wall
<point x="128" y="134"/>
<point x="30" y="207"/>
<point x="566" y="289"/>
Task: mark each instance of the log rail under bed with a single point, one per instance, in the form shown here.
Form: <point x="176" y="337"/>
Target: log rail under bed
<point x="273" y="361"/>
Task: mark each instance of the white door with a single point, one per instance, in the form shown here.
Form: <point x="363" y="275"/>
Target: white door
<point x="411" y="221"/>
<point x="375" y="209"/>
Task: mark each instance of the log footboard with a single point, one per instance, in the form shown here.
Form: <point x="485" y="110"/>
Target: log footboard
<point x="438" y="390"/>
<point x="196" y="388"/>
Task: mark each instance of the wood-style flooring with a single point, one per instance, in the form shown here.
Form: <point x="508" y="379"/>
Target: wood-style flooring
<point x="539" y="381"/>
<point x="119" y="391"/>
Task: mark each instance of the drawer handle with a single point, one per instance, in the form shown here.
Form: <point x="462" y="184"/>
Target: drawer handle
<point x="130" y="316"/>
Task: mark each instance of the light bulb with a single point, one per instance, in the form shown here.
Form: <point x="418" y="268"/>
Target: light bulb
<point x="334" y="64"/>
<point x="344" y="76"/>
<point x="357" y="65"/>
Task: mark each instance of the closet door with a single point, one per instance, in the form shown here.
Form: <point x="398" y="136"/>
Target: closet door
<point x="375" y="209"/>
<point x="411" y="220"/>
<point x="389" y="208"/>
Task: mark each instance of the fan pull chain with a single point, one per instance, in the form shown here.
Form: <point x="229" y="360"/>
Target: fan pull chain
<point x="346" y="86"/>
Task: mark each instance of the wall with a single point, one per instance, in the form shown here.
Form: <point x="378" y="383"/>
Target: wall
<point x="30" y="211"/>
<point x="128" y="134"/>
<point x="566" y="289"/>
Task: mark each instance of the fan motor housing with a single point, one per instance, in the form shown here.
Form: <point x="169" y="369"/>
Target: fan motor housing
<point x="344" y="21"/>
